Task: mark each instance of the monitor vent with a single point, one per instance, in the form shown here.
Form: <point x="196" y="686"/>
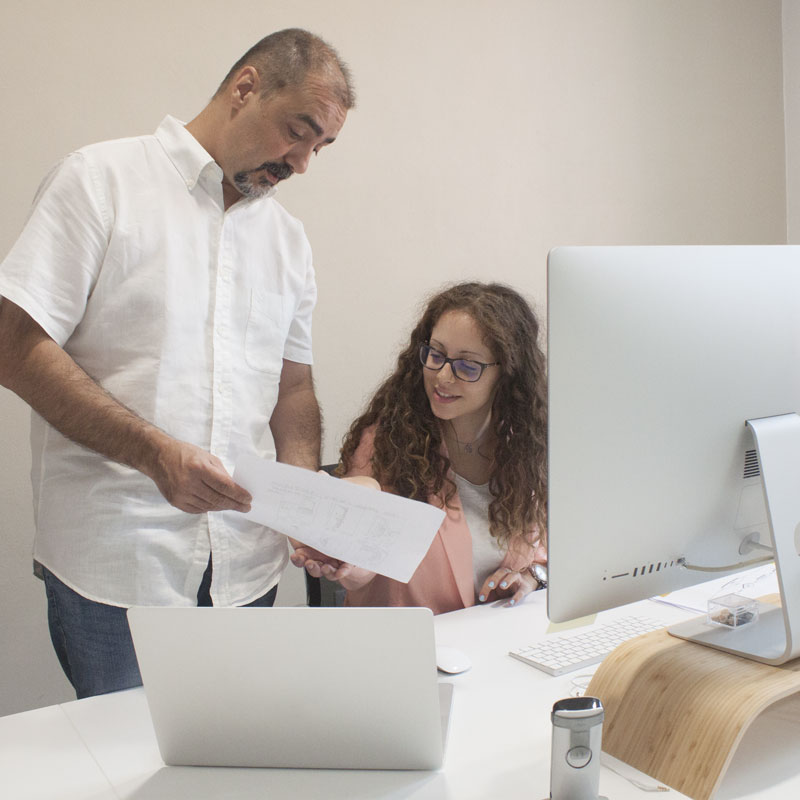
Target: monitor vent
<point x="752" y="469"/>
<point x="649" y="569"/>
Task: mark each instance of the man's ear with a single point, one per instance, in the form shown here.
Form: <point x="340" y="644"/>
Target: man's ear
<point x="245" y="86"/>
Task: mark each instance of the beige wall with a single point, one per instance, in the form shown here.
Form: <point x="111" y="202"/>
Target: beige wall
<point x="487" y="132"/>
<point x="791" y="90"/>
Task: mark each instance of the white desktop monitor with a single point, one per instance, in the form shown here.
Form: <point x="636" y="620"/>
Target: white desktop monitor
<point x="662" y="364"/>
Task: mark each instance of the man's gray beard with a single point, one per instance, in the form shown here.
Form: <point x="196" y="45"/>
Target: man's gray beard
<point x="245" y="185"/>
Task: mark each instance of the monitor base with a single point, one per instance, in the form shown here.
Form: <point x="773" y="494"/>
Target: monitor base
<point x="763" y="640"/>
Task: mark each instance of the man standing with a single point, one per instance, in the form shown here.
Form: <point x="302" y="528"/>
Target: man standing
<point x="156" y="315"/>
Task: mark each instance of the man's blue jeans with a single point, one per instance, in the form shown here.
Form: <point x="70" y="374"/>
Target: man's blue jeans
<point x="93" y="641"/>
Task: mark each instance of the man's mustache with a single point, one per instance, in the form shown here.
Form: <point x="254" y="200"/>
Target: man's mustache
<point x="280" y="171"/>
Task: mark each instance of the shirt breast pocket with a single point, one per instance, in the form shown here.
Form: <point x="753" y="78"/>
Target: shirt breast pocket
<point x="267" y="327"/>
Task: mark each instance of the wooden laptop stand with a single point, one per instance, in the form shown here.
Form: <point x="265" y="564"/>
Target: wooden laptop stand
<point x="677" y="710"/>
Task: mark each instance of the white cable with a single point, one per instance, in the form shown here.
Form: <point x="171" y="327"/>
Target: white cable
<point x="752" y="563"/>
<point x="645" y="787"/>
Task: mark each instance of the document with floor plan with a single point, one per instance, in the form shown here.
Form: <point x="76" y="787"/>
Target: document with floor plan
<point x="374" y="530"/>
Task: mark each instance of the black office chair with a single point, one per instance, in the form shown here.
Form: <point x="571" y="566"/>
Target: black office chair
<point x="321" y="591"/>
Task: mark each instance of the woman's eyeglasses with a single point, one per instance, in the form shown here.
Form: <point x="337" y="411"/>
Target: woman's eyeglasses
<point x="463" y="368"/>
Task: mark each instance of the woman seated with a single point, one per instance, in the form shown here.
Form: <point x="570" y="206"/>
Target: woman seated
<point x="461" y="424"/>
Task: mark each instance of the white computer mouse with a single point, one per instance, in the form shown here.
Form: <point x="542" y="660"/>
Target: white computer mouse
<point x="452" y="661"/>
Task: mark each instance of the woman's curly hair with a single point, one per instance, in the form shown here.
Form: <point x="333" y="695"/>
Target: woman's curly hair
<point x="407" y="452"/>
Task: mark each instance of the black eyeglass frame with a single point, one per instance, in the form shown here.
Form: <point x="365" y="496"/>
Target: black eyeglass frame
<point x="426" y="347"/>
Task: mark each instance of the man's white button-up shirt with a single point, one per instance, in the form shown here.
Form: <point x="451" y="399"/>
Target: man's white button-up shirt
<point x="184" y="312"/>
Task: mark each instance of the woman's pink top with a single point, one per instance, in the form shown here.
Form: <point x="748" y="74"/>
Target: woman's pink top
<point x="444" y="579"/>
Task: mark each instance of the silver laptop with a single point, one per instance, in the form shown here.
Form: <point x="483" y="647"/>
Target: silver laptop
<point x="334" y="688"/>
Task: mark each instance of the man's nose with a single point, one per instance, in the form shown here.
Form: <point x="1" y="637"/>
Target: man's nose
<point x="299" y="156"/>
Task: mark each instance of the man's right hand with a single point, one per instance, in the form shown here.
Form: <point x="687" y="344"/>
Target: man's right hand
<point x="195" y="481"/>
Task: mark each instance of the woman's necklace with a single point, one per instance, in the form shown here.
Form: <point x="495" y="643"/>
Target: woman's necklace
<point x="468" y="447"/>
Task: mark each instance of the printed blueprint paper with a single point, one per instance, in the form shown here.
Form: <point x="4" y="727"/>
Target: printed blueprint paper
<point x="375" y="530"/>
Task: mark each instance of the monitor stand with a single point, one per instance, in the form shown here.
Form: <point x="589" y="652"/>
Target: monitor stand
<point x="775" y="637"/>
<point x="678" y="712"/>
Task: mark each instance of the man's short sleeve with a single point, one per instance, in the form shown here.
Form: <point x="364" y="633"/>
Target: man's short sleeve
<point x="298" y="342"/>
<point x="53" y="266"/>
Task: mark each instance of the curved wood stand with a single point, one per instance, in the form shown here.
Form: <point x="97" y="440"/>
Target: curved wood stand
<point x="677" y="710"/>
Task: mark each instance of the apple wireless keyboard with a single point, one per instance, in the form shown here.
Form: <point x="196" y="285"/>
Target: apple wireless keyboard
<point x="557" y="655"/>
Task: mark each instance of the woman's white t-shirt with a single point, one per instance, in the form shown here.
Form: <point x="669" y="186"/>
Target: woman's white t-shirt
<point x="487" y="553"/>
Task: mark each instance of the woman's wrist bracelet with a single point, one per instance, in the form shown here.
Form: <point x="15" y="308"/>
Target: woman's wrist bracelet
<point x="539" y="573"/>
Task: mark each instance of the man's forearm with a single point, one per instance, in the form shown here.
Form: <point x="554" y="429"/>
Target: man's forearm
<point x="34" y="367"/>
<point x="296" y="426"/>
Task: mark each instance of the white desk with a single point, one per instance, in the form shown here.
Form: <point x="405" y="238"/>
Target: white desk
<point x="499" y="745"/>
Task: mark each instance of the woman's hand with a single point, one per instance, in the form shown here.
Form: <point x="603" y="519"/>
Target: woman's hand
<point x="505" y="582"/>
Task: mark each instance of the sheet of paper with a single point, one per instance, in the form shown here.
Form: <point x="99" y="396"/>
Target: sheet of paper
<point x="375" y="530"/>
<point x="750" y="583"/>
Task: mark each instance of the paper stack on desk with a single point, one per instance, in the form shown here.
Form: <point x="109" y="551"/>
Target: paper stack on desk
<point x="374" y="530"/>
